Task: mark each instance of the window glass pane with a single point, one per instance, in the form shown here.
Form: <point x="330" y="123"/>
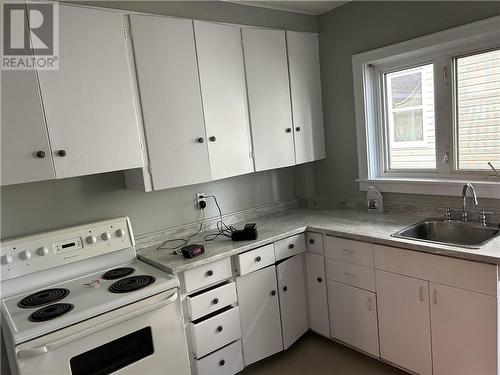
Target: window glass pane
<point x="478" y="110"/>
<point x="410" y="127"/>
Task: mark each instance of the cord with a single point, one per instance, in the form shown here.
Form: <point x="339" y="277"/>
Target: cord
<point x="184" y="241"/>
<point x="223" y="229"/>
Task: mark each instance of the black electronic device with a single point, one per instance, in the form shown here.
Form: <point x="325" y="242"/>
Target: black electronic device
<point x="192" y="251"/>
<point x="249" y="232"/>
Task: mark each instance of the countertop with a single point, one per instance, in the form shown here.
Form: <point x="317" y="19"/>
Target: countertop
<point x="351" y="224"/>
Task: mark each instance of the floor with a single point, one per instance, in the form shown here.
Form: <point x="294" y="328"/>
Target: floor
<point x="315" y="355"/>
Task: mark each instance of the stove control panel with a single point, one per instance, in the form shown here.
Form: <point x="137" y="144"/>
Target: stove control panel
<point x="24" y="255"/>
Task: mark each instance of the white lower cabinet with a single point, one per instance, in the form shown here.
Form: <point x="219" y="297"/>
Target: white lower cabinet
<point x="292" y="294"/>
<point x="464" y="331"/>
<point x="404" y="322"/>
<point x="259" y="314"/>
<point x="317" y="294"/>
<point x="226" y="361"/>
<point x="353" y="313"/>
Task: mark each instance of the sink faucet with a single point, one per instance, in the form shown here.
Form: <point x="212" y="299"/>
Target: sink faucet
<point x="468" y="186"/>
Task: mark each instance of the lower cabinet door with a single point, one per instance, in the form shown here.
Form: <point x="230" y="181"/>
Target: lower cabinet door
<point x="316" y="294"/>
<point x="464" y="331"/>
<point x="404" y="321"/>
<point x="354" y="316"/>
<point x="292" y="293"/>
<point x="259" y="314"/>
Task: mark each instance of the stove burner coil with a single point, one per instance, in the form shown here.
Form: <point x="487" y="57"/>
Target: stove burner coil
<point x="43" y="297"/>
<point x="50" y="312"/>
<point x="117" y="273"/>
<point x="132" y="283"/>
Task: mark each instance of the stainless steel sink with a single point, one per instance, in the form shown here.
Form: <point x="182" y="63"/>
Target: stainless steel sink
<point x="449" y="232"/>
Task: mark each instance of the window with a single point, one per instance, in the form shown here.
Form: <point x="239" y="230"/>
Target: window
<point x="478" y="110"/>
<point x="428" y="111"/>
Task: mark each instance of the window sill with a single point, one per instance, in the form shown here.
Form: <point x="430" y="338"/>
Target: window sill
<point x="429" y="186"/>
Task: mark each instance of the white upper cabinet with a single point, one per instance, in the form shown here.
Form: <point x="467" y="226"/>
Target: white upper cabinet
<point x="223" y="87"/>
<point x="305" y="85"/>
<point x="89" y="107"/>
<point x="25" y="149"/>
<point x="167" y="74"/>
<point x="269" y="98"/>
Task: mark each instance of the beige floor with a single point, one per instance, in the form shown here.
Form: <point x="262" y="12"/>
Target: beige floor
<point x="316" y="355"/>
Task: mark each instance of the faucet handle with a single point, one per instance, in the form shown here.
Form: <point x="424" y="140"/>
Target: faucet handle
<point x="446" y="213"/>
<point x="482" y="217"/>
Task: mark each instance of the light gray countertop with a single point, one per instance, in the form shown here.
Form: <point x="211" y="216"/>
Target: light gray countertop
<point x="356" y="225"/>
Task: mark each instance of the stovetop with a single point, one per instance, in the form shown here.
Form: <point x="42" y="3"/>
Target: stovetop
<point x="88" y="296"/>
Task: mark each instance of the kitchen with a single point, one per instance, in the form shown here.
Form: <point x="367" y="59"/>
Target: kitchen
<point x="168" y="124"/>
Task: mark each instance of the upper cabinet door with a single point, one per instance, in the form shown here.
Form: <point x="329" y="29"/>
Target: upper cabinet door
<point x="269" y="98"/>
<point x="223" y="88"/>
<point x="25" y="149"/>
<point x="89" y="107"/>
<point x="167" y="73"/>
<point x="305" y="85"/>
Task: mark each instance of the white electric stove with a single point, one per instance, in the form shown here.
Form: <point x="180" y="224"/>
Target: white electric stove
<point x="77" y="301"/>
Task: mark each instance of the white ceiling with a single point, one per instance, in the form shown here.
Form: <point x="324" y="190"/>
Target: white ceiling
<point x="307" y="7"/>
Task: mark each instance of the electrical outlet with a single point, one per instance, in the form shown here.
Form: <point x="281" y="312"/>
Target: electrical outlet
<point x="200" y="198"/>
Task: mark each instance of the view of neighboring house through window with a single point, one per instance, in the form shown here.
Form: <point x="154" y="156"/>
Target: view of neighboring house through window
<point x="478" y="110"/>
<point x="410" y="126"/>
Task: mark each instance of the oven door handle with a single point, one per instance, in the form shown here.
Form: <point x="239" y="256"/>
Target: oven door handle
<point x="23" y="353"/>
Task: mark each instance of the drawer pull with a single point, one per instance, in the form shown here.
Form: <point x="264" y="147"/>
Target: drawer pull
<point x="349" y="274"/>
<point x="285" y="288"/>
<point x="319" y="279"/>
<point x="369" y="304"/>
<point x="222" y="362"/>
<point x="311" y="241"/>
<point x="220" y="329"/>
<point x="348" y="251"/>
<point x="273" y="292"/>
<point x="291" y="246"/>
<point x="215" y="301"/>
<point x="210" y="273"/>
<point x="435" y="296"/>
<point x="258" y="259"/>
<point x="421" y="294"/>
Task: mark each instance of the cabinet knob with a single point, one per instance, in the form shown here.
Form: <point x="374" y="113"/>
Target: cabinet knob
<point x="311" y="241"/>
<point x="61" y="153"/>
<point x="297" y="129"/>
<point x="220" y="329"/>
<point x="288" y="130"/>
<point x="200" y="140"/>
<point x="210" y="273"/>
<point x="40" y="154"/>
<point x="319" y="279"/>
<point x="212" y="138"/>
<point x="215" y="301"/>
<point x="291" y="246"/>
<point x="222" y="362"/>
<point x="258" y="259"/>
<point x="285" y="288"/>
<point x="273" y="292"/>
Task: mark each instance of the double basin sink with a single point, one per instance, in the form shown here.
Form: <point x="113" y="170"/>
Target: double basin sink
<point x="449" y="232"/>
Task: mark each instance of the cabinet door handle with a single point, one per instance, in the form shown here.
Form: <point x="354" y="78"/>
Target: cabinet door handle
<point x="273" y="292"/>
<point x="291" y="246"/>
<point x="40" y="154"/>
<point x="348" y="251"/>
<point x="200" y="140"/>
<point x="311" y="241"/>
<point x="215" y="301"/>
<point x="435" y="296"/>
<point x="319" y="279"/>
<point x="288" y="130"/>
<point x="210" y="273"/>
<point x="61" y="153"/>
<point x="421" y="294"/>
<point x="369" y="304"/>
<point x="258" y="259"/>
<point x="349" y="274"/>
<point x="212" y="138"/>
<point x="220" y="329"/>
<point x="222" y="362"/>
<point x="297" y="129"/>
<point x="285" y="288"/>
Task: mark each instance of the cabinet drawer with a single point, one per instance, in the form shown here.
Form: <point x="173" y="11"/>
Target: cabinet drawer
<point x="226" y="361"/>
<point x="254" y="259"/>
<point x="290" y="246"/>
<point x="349" y="251"/>
<point x="215" y="332"/>
<point x="314" y="243"/>
<point x="207" y="274"/>
<point x="210" y="301"/>
<point x="352" y="274"/>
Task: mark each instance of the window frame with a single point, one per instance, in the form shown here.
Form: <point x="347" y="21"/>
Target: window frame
<point x="440" y="49"/>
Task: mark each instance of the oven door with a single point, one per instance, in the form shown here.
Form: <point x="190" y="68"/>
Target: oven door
<point x="146" y="337"/>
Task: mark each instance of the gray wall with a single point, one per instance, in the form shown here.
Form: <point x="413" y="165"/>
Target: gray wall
<point x="357" y="27"/>
<point x="40" y="206"/>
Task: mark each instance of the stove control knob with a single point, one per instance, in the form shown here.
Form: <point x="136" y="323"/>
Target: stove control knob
<point x="7" y="259"/>
<point x="25" y="255"/>
<point x="106" y="236"/>
<point x="91" y="240"/>
<point x="42" y="251"/>
<point x="119" y="233"/>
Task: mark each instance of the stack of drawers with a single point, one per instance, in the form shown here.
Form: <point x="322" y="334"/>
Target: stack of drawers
<point x="214" y="319"/>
